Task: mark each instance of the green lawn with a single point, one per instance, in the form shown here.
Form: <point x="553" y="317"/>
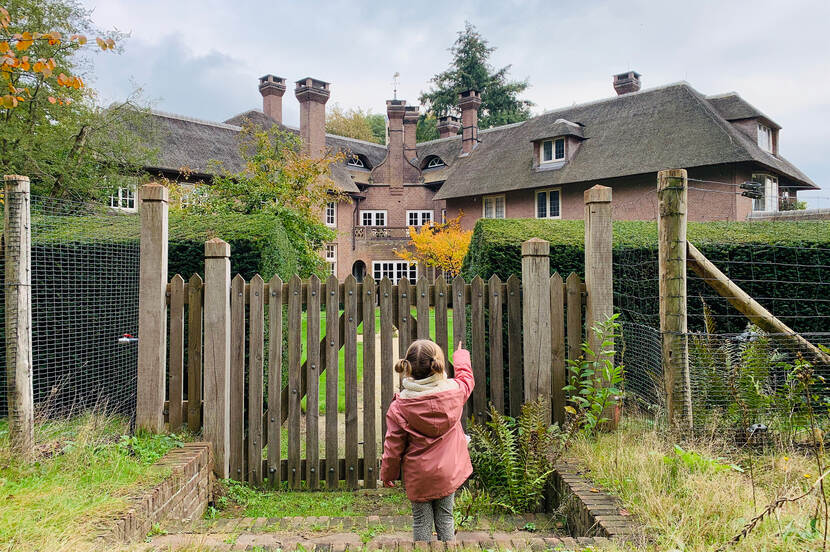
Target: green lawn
<point x="341" y="397"/>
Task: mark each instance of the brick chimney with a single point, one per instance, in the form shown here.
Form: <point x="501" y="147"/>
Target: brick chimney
<point x="313" y="95"/>
<point x="396" y="113"/>
<point x="410" y="125"/>
<point x="469" y="102"/>
<point x="272" y="88"/>
<point x="627" y="82"/>
<point x="448" y="125"/>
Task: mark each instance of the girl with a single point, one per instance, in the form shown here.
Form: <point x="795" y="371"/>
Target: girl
<point x="424" y="439"/>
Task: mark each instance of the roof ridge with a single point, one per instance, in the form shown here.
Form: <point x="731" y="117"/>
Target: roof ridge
<point x="194" y="120"/>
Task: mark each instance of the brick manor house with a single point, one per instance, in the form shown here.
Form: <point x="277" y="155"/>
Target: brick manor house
<point x="538" y="168"/>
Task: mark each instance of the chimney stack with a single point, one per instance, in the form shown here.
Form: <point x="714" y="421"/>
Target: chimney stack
<point x="410" y="126"/>
<point x="448" y="125"/>
<point x="272" y="88"/>
<point x="469" y="102"/>
<point x="313" y="95"/>
<point x="627" y="82"/>
<point x="395" y="112"/>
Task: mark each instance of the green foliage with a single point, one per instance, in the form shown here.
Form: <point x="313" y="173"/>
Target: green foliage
<point x="148" y="447"/>
<point x="427" y="128"/>
<point x="470" y="69"/>
<point x="800" y="251"/>
<point x="356" y="123"/>
<point x="696" y="462"/>
<point x="511" y="458"/>
<point x="71" y="149"/>
<point x="595" y="379"/>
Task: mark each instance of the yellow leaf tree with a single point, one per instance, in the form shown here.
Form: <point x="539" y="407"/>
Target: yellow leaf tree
<point x="442" y="246"/>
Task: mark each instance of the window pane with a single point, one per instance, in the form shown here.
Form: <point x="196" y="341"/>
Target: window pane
<point x="560" y="149"/>
<point x="547" y="151"/>
<point x="554" y="203"/>
<point x="426" y="217"/>
<point x="541" y="205"/>
<point x="499" y="208"/>
<point x="380" y="219"/>
<point x="488" y="207"/>
<point x="367" y="219"/>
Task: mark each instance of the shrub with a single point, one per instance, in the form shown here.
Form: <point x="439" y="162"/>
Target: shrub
<point x="777" y="262"/>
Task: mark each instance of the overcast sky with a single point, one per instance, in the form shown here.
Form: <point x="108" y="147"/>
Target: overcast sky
<point x="202" y="58"/>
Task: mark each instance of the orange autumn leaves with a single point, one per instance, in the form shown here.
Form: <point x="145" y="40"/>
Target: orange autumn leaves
<point x="442" y="246"/>
<point x="14" y="63"/>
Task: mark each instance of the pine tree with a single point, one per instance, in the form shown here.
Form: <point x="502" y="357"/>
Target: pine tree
<point x="470" y="69"/>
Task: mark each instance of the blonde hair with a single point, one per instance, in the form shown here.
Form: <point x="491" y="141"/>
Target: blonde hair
<point x="423" y="358"/>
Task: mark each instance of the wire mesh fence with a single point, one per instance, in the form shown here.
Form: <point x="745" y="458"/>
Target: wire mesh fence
<point x="85" y="261"/>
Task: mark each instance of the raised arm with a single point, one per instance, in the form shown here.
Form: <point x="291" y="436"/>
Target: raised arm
<point x="463" y="370"/>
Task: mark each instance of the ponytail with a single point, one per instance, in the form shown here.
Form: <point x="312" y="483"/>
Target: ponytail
<point x="423" y="359"/>
<point x="403" y="366"/>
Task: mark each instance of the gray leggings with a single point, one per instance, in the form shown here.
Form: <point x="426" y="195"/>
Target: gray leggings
<point x="437" y="512"/>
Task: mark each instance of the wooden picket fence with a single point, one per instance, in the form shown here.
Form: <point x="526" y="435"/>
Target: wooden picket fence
<point x="495" y="311"/>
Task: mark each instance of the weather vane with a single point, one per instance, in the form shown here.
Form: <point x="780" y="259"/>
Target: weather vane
<point x="395" y="85"/>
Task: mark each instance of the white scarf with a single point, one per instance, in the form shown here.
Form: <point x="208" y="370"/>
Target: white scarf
<point x="433" y="384"/>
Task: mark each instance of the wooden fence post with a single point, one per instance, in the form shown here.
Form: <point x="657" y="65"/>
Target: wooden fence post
<point x="17" y="236"/>
<point x="536" y="318"/>
<point x="152" y="309"/>
<point x="217" y="352"/>
<point x="671" y="232"/>
<point x="598" y="261"/>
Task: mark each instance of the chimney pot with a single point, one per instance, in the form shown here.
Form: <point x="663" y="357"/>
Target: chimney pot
<point x="469" y="101"/>
<point x="272" y="89"/>
<point x="625" y="83"/>
<point x="448" y="125"/>
<point x="313" y="95"/>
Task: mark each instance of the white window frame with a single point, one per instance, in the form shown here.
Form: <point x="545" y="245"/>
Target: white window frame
<point x="395" y="269"/>
<point x="435" y="162"/>
<point x="355" y="161"/>
<point x="547" y="192"/>
<point x="443" y="216"/>
<point x="494" y="199"/>
<point x="373" y="214"/>
<point x="330" y="214"/>
<point x="124" y="199"/>
<point x="553" y="158"/>
<point x="330" y="254"/>
<point x="765" y="138"/>
<point x="769" y="185"/>
<point x="420" y="215"/>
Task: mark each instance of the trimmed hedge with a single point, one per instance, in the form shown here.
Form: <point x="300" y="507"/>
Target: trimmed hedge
<point x="781" y="264"/>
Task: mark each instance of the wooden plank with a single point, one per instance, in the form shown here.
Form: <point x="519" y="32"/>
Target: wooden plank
<point x="312" y="411"/>
<point x="350" y="379"/>
<point x="152" y="310"/>
<point x="217" y="364"/>
<point x="256" y="342"/>
<point x="194" y="354"/>
<point x="422" y="302"/>
<point x="477" y="351"/>
<point x="237" y="451"/>
<point x="294" y="322"/>
<point x="598" y="260"/>
<point x="404" y="317"/>
<point x="536" y="318"/>
<point x="440" y="296"/>
<point x="275" y="294"/>
<point x="494" y="294"/>
<point x="557" y="349"/>
<point x="333" y="332"/>
<point x="459" y="325"/>
<point x="574" y="323"/>
<point x="175" y="385"/>
<point x="339" y="465"/>
<point x="387" y="329"/>
<point x="370" y="443"/>
<point x="514" y="343"/>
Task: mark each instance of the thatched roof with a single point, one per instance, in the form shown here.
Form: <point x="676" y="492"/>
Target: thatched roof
<point x="637" y="133"/>
<point x="732" y="107"/>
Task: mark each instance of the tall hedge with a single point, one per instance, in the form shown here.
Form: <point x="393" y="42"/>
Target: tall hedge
<point x="781" y="264"/>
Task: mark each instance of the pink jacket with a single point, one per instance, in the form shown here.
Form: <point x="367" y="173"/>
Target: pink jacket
<point x="425" y="441"/>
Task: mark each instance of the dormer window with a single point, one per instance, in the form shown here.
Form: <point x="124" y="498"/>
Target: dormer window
<point x="765" y="138"/>
<point x="355" y="161"/>
<point x="435" y="162"/>
<point x="552" y="150"/>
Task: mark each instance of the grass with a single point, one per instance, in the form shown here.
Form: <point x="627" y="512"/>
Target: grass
<point x="341" y="385"/>
<point x="84" y="473"/>
<point x="695" y="500"/>
<point x="241" y="500"/>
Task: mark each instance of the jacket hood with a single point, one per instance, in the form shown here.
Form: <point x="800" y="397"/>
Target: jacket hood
<point x="433" y="415"/>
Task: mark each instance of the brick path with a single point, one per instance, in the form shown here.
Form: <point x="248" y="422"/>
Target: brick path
<point x="362" y="533"/>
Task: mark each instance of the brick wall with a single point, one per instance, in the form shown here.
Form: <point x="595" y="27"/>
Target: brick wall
<point x="183" y="494"/>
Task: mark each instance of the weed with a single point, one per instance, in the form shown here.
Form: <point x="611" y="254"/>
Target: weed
<point x="366" y="535"/>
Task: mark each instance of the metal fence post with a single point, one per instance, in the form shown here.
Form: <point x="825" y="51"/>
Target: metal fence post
<point x="17" y="237"/>
<point x="152" y="309"/>
<point x="536" y="318"/>
<point x="217" y="353"/>
<point x="671" y="232"/>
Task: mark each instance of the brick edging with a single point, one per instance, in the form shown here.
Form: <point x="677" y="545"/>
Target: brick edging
<point x="183" y="494"/>
<point x="598" y="513"/>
